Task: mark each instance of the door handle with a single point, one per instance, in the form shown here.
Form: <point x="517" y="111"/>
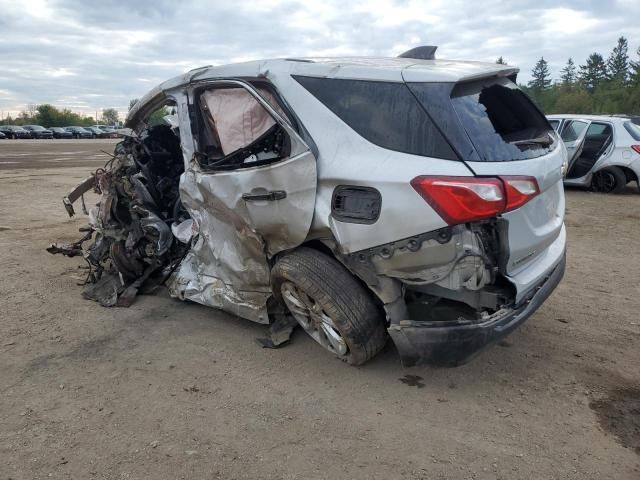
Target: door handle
<point x="267" y="196"/>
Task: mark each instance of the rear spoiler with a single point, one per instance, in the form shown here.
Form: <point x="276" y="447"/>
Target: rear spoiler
<point x="428" y="52"/>
<point x="510" y="73"/>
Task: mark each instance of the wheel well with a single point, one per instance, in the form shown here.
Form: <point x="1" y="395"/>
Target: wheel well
<point x="321" y="247"/>
<point x="630" y="174"/>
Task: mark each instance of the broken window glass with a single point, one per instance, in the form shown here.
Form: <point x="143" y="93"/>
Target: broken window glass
<point x="498" y="119"/>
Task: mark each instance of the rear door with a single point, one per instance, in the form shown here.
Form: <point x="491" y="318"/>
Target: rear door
<point x="498" y="131"/>
<point x="573" y="135"/>
<point x="274" y="196"/>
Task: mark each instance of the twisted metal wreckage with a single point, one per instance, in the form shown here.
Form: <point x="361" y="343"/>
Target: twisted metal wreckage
<point x="131" y="227"/>
<point x="141" y="236"/>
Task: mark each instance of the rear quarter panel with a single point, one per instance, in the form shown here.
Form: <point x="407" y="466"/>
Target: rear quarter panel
<point x="346" y="158"/>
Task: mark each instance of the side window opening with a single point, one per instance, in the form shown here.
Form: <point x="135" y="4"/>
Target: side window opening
<point x="237" y="131"/>
<point x="159" y="116"/>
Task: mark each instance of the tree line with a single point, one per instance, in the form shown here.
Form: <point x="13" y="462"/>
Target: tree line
<point x="49" y="116"/>
<point x="599" y="86"/>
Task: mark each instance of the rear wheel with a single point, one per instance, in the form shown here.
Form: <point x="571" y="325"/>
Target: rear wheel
<point x="330" y="304"/>
<point x="609" y="180"/>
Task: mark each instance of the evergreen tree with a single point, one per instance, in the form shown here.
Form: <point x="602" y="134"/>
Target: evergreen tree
<point x="618" y="61"/>
<point x="541" y="77"/>
<point x="634" y="70"/>
<point x="500" y="61"/>
<point x="568" y="73"/>
<point x="594" y="72"/>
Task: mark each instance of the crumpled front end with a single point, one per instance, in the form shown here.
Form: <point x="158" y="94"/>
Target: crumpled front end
<point x="132" y="245"/>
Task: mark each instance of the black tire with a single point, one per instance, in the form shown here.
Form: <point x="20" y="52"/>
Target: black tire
<point x="609" y="180"/>
<point x="347" y="302"/>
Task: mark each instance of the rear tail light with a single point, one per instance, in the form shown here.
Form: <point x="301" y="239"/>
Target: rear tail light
<point x="519" y="190"/>
<point x="636" y="148"/>
<point x="465" y="199"/>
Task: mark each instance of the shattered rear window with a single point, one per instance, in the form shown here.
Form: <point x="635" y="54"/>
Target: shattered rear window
<point x="498" y="119"/>
<point x="385" y="113"/>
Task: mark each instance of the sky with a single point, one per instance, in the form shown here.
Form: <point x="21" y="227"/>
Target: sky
<point x="87" y="56"/>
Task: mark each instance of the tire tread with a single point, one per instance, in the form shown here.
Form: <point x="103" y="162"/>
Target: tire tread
<point x="348" y="302"/>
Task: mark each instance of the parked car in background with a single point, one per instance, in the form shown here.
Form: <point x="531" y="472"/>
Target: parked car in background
<point x="604" y="151"/>
<point x="79" y="132"/>
<point x="2" y="136"/>
<point x="38" y="131"/>
<point x="109" y="130"/>
<point x="97" y="132"/>
<point x="410" y="197"/>
<point x="14" y="131"/>
<point x="59" y="132"/>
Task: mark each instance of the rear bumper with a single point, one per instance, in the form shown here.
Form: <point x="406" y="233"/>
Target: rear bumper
<point x="420" y="343"/>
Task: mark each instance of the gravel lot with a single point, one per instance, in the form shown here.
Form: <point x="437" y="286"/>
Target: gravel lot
<point x="167" y="389"/>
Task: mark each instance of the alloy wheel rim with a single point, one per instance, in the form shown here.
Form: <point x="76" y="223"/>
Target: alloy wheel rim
<point x="312" y="317"/>
<point x="604" y="181"/>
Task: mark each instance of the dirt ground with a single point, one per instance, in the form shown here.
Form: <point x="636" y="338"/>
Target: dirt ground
<point x="175" y="390"/>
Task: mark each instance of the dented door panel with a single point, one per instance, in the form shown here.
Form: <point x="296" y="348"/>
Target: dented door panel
<point x="241" y="218"/>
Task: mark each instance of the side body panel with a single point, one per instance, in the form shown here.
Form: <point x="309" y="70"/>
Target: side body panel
<point x="227" y="266"/>
<point x="620" y="153"/>
<point x="346" y="158"/>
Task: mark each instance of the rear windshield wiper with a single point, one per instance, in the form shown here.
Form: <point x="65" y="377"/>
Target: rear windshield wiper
<point x="543" y="140"/>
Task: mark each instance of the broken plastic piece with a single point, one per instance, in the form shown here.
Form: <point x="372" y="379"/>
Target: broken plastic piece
<point x="279" y="332"/>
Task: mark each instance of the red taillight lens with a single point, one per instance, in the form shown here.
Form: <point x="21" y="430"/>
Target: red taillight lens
<point x="466" y="199"/>
<point x="636" y="148"/>
<point x="461" y="199"/>
<point x="519" y="191"/>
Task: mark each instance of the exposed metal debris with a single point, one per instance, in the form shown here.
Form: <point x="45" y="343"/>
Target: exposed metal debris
<point x="139" y="204"/>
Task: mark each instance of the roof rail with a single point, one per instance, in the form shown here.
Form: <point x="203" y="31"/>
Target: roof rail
<point x="424" y="52"/>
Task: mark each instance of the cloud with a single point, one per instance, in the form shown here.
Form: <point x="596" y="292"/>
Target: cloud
<point x="94" y="55"/>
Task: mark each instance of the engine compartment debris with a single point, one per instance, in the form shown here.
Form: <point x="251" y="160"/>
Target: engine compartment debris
<point x="133" y="245"/>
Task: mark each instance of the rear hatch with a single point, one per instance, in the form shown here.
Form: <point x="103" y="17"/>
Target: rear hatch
<point x="498" y="132"/>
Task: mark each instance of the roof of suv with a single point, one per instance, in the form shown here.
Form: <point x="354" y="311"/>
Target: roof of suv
<point x="363" y="68"/>
<point x="440" y="70"/>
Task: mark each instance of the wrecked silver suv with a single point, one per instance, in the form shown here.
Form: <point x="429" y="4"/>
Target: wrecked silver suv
<point x="362" y="197"/>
